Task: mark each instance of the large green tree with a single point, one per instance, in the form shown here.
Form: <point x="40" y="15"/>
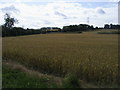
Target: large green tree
<point x="9" y="21"/>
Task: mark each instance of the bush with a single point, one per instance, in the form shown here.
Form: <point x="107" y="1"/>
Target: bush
<point x="71" y="81"/>
<point x="79" y="32"/>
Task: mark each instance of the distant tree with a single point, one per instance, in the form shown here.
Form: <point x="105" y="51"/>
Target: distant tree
<point x="80" y="27"/>
<point x="96" y="28"/>
<point x="111" y="26"/>
<point x="9" y="22"/>
<point x="106" y="26"/>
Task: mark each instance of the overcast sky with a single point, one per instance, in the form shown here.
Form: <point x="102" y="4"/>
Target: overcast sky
<point x="58" y="13"/>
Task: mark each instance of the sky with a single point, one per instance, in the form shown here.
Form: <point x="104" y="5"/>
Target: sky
<point x="58" y="13"/>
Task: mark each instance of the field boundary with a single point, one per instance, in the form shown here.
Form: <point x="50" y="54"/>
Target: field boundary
<point x="57" y="80"/>
<point x="15" y="65"/>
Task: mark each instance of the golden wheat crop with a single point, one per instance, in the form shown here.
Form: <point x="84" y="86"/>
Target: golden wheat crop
<point x="92" y="57"/>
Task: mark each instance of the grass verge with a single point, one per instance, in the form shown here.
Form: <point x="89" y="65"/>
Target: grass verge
<point x="15" y="78"/>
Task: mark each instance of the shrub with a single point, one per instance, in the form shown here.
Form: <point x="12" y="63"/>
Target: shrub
<point x="71" y="81"/>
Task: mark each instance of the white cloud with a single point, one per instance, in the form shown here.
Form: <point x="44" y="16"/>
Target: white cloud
<point x="101" y="11"/>
<point x="114" y="0"/>
<point x="10" y="9"/>
<point x="58" y="14"/>
<point x="59" y="1"/>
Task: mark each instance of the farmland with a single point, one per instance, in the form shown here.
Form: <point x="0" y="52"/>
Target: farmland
<point x="90" y="56"/>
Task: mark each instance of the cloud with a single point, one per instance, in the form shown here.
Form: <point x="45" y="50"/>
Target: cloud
<point x="101" y="11"/>
<point x="113" y="0"/>
<point x="59" y="1"/>
<point x="10" y="9"/>
<point x="61" y="14"/>
<point x="58" y="13"/>
<point x="46" y="22"/>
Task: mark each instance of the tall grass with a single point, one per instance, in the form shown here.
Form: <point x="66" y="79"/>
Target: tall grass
<point x="92" y="57"/>
<point x="107" y="31"/>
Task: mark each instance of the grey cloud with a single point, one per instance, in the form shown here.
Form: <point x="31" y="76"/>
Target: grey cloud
<point x="101" y="11"/>
<point x="47" y="14"/>
<point x="61" y="14"/>
<point x="85" y="12"/>
<point x="74" y="17"/>
<point x="10" y="9"/>
<point x="46" y="22"/>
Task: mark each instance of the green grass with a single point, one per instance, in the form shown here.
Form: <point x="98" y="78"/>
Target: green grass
<point x="14" y="78"/>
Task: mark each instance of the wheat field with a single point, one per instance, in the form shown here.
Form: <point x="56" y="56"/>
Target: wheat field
<point x="92" y="57"/>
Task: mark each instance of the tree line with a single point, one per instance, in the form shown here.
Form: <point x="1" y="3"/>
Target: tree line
<point x="80" y="27"/>
<point x="9" y="30"/>
<point x="18" y="31"/>
<point x="111" y="26"/>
